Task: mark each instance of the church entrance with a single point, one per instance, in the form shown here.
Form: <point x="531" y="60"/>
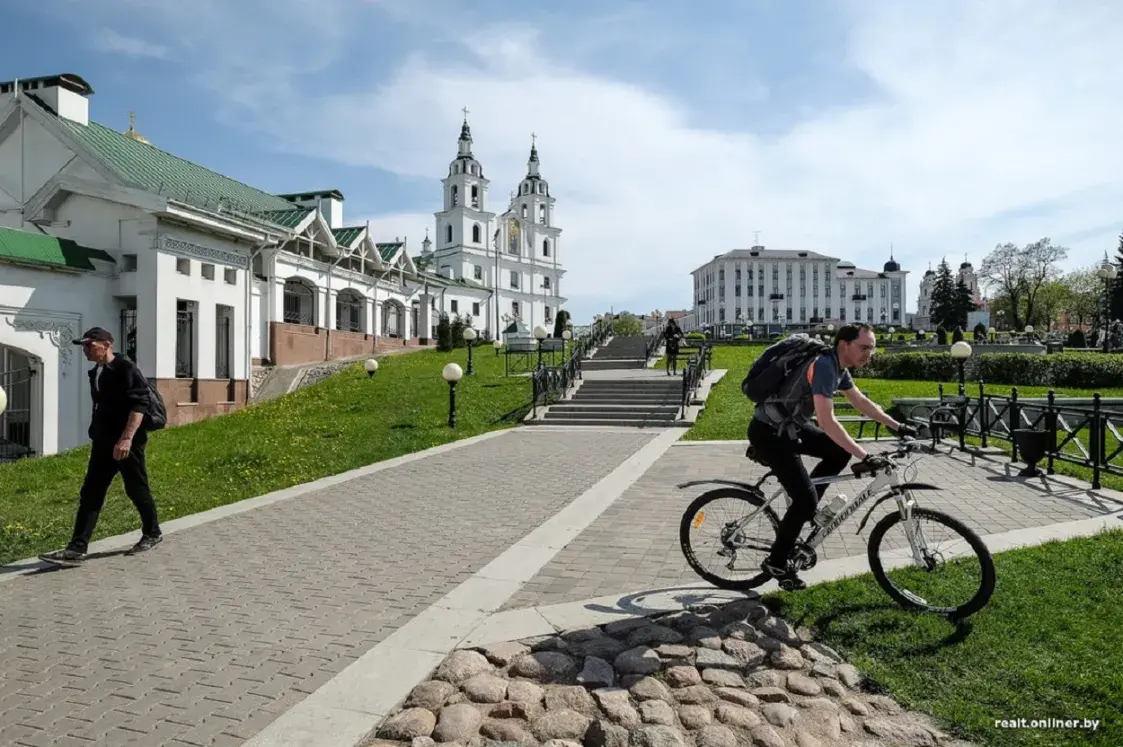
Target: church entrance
<point x="16" y="377"/>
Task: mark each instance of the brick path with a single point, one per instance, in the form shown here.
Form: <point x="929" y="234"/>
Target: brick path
<point x="225" y="626"/>
<point x="634" y="546"/>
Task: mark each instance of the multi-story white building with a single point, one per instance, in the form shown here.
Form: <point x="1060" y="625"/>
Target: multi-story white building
<point x="201" y="278"/>
<point x="514" y="255"/>
<point x="780" y="287"/>
<point x="966" y="273"/>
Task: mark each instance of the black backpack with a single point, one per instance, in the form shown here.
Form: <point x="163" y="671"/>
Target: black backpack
<point x="769" y="372"/>
<point x="157" y="416"/>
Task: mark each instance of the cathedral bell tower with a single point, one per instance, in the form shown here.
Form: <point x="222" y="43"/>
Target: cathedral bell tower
<point x="464" y="221"/>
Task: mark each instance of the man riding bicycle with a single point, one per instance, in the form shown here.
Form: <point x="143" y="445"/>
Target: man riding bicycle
<point x="781" y="431"/>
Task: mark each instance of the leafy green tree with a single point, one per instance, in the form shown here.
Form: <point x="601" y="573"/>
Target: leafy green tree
<point x="626" y="325"/>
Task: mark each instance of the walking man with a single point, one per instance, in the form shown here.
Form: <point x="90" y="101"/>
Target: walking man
<point x="121" y="399"/>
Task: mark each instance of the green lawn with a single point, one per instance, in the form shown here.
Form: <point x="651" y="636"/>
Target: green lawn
<point x="344" y="422"/>
<point x="1049" y="645"/>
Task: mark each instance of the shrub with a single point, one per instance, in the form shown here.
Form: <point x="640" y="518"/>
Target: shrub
<point x="694" y="336"/>
<point x="561" y="319"/>
<point x="941" y="335"/>
<point x="1076" y="339"/>
<point x="741" y="337"/>
<point x="957" y="336"/>
<point x="458" y="325"/>
<point x="1066" y="370"/>
<point x="444" y="334"/>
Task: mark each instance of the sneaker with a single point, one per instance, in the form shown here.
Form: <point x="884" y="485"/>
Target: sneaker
<point x="66" y="558"/>
<point x="785" y="577"/>
<point x="147" y="542"/>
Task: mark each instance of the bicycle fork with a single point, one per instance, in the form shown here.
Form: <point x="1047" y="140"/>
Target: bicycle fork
<point x="918" y="543"/>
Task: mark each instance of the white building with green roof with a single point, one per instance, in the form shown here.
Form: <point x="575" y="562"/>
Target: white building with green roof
<point x="200" y="277"/>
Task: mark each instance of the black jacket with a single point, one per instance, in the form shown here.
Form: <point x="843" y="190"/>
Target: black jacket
<point x="121" y="389"/>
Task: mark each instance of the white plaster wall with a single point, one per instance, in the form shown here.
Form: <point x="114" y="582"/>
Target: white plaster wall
<point x="40" y="313"/>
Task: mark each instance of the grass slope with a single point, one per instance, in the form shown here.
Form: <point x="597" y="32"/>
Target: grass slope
<point x="1049" y="645"/>
<point x="344" y="422"/>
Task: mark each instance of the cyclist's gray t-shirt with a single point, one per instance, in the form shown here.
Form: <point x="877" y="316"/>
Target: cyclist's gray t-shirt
<point x="821" y="377"/>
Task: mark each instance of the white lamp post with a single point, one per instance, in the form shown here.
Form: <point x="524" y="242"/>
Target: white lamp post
<point x="961" y="351"/>
<point x="469" y="336"/>
<point x="371" y="366"/>
<point x="3" y="400"/>
<point x="452" y="373"/>
<point x="498" y="345"/>
<point x="540" y="334"/>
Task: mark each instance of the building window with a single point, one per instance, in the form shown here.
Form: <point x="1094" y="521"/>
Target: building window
<point x="299" y="303"/>
<point x="455" y="196"/>
<point x="475" y="192"/>
<point x="524" y="207"/>
<point x="454" y="306"/>
<point x="514" y="278"/>
<point x="514" y="308"/>
<point x="475" y="308"/>
<point x="128" y="330"/>
<point x="183" y="266"/>
<point x="230" y="275"/>
<point x="128" y="263"/>
<point x="476" y="233"/>
<point x="223" y="341"/>
<point x="477" y="272"/>
<point x="545" y="247"/>
<point x="185" y="340"/>
<point x="542" y="214"/>
<point x="549" y="315"/>
<point x="349" y="308"/>
<point x="208" y="271"/>
<point x="448" y="234"/>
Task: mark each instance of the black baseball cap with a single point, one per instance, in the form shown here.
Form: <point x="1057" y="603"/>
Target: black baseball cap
<point x="94" y="334"/>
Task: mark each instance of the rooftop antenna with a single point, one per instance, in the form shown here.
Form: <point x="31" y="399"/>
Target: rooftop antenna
<point x="756" y="238"/>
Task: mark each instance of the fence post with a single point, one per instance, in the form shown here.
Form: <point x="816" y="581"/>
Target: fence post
<point x="1051" y="425"/>
<point x="1014" y="420"/>
<point x="983" y="413"/>
<point x="1097" y="440"/>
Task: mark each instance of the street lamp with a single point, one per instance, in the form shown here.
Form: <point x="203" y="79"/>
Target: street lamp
<point x="452" y="373"/>
<point x="961" y="351"/>
<point x="1107" y="273"/>
<point x="3" y="400"/>
<point x="469" y="336"/>
<point x="370" y="364"/>
<point x="540" y="334"/>
<point x="498" y="345"/>
<point x="567" y="335"/>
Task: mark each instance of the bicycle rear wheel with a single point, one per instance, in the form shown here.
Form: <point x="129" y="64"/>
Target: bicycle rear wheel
<point x="963" y="571"/>
<point x="738" y="552"/>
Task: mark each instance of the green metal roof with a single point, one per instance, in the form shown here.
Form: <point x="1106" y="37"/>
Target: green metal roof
<point x="345" y="236"/>
<point x="290" y="218"/>
<point x="147" y="167"/>
<point x="388" y="250"/>
<point x="23" y="246"/>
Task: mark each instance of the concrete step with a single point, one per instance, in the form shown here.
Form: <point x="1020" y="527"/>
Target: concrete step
<point x="593" y="386"/>
<point x="625" y="399"/>
<point x="624" y="423"/>
<point x="604" y="365"/>
<point x="614" y="410"/>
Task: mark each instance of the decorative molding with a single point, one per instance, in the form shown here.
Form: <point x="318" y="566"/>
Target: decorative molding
<point x="197" y="251"/>
<point x="53" y="325"/>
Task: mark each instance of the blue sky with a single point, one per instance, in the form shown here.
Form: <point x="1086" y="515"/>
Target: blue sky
<point x="669" y="133"/>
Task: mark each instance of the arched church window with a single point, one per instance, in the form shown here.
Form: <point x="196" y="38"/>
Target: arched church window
<point x="524" y="209"/>
<point x="448" y="234"/>
<point x="476" y="231"/>
<point x="545" y="247"/>
<point x="455" y="195"/>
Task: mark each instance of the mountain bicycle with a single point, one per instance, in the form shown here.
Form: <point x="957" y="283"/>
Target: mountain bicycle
<point x="901" y="567"/>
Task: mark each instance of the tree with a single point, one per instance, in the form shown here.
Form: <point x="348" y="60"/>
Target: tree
<point x="1116" y="301"/>
<point x="1051" y="300"/>
<point x="1084" y="293"/>
<point x="1019" y="273"/>
<point x="444" y="333"/>
<point x="626" y="325"/>
<point x="964" y="303"/>
<point x="561" y="320"/>
<point x="945" y="302"/>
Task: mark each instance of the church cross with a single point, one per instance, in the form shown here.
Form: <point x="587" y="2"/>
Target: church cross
<point x="533" y="139"/>
<point x="465" y="110"/>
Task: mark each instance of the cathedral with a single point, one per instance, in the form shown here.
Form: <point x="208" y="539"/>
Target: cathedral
<point x="514" y="254"/>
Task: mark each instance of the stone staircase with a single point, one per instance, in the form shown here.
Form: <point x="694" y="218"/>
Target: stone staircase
<point x="619" y="352"/>
<point x="653" y="402"/>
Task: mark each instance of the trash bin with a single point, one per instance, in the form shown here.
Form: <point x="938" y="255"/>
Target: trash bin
<point x="1032" y="446"/>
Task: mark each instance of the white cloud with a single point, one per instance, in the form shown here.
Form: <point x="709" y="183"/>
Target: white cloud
<point x="981" y="110"/>
<point x="108" y="40"/>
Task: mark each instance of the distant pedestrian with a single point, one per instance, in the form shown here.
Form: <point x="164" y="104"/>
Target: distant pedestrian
<point x="121" y="399"/>
<point x="672" y="333"/>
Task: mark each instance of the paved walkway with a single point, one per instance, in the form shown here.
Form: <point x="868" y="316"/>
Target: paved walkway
<point x="212" y="636"/>
<point x="633" y="546"/>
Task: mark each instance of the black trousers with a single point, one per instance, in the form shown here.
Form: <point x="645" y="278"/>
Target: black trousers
<point x="672" y="359"/>
<point x="783" y="456"/>
<point x="100" y="472"/>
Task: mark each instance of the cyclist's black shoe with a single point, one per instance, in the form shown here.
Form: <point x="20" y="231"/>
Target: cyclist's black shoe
<point x="785" y="577"/>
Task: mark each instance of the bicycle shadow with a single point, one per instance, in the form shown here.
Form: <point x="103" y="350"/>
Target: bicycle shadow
<point x="672" y="599"/>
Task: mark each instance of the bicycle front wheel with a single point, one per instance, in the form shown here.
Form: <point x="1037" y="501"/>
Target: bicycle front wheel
<point x="717" y="548"/>
<point x="956" y="577"/>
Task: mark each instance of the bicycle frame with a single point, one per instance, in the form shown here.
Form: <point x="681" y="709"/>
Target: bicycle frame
<point x="887" y="481"/>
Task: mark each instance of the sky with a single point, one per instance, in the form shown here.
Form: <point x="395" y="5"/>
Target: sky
<point x="669" y="132"/>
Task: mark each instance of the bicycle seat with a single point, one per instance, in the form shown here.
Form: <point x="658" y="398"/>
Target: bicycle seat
<point x="752" y="454"/>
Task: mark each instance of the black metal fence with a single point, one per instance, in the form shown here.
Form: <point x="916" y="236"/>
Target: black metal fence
<point x="693" y="373"/>
<point x="1082" y="431"/>
<point x="128" y="333"/>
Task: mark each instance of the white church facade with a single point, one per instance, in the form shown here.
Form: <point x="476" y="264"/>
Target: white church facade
<point x="513" y="254"/>
<point x="201" y="278"/>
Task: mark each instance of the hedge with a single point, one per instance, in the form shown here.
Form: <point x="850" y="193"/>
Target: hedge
<point x="1075" y="370"/>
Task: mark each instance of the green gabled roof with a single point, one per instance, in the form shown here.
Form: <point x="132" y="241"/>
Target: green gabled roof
<point x="22" y="246"/>
<point x="147" y="167"/>
<point x="290" y="218"/>
<point x="345" y="236"/>
<point x="388" y="250"/>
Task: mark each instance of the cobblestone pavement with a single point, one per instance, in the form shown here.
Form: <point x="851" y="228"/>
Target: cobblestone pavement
<point x="634" y="544"/>
<point x="210" y="637"/>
